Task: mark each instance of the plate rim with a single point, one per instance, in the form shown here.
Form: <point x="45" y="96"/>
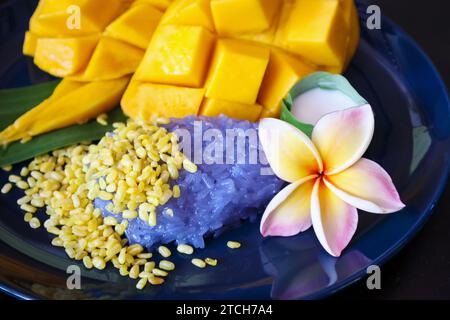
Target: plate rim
<point x="393" y="249"/>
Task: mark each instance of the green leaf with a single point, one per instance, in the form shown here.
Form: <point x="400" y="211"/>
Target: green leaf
<point x="287" y="116"/>
<point x="15" y="102"/>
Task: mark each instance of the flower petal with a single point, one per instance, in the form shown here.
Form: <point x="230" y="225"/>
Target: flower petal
<point x="291" y="154"/>
<point x="334" y="221"/>
<point x="289" y="211"/>
<point x="366" y="186"/>
<point x="342" y="137"/>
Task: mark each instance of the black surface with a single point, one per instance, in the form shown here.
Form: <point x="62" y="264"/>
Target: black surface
<point x="422" y="269"/>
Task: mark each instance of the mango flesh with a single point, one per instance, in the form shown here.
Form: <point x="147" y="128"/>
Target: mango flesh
<point x="19" y="129"/>
<point x="215" y="107"/>
<point x="237" y="71"/>
<point x="154" y="100"/>
<point x="57" y="18"/>
<point x="67" y="53"/>
<point x="283" y="72"/>
<point x="263" y="48"/>
<point x="95" y="66"/>
<point x="352" y="19"/>
<point x="159" y="4"/>
<point x="318" y="31"/>
<point x="71" y="103"/>
<point x="29" y="44"/>
<point x="81" y="105"/>
<point x="234" y="17"/>
<point x="177" y="55"/>
<point x="190" y="13"/>
<point x="112" y="59"/>
<point x="136" y="26"/>
<point x="63" y="57"/>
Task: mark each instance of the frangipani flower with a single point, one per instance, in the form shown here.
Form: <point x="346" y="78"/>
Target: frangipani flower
<point x="329" y="179"/>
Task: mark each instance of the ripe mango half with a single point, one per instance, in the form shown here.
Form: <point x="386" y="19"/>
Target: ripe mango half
<point x="108" y="42"/>
<point x="71" y="103"/>
<point x="260" y="49"/>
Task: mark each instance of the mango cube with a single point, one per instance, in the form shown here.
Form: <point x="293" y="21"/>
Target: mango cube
<point x="112" y="59"/>
<point x="215" y="107"/>
<point x="159" y="4"/>
<point x="233" y="17"/>
<point x="177" y="55"/>
<point x="190" y="13"/>
<point x="352" y="19"/>
<point x="237" y="71"/>
<point x="63" y="57"/>
<point x="283" y="72"/>
<point x="317" y="31"/>
<point x="135" y="26"/>
<point x="266" y="37"/>
<point x="280" y="39"/>
<point x="155" y="100"/>
<point x="29" y="44"/>
<point x="74" y="17"/>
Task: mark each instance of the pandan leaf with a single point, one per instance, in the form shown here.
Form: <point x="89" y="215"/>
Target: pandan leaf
<point x="15" y="102"/>
<point x="322" y="80"/>
<point x="287" y="116"/>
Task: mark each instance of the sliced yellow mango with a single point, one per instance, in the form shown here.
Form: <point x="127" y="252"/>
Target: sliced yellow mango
<point x="154" y="100"/>
<point x="237" y="71"/>
<point x="280" y="39"/>
<point x="317" y="30"/>
<point x="190" y="13"/>
<point x="135" y="26"/>
<point x="352" y="18"/>
<point x="60" y="18"/>
<point x="112" y="59"/>
<point x="283" y="72"/>
<point x="233" y="17"/>
<point x="266" y="37"/>
<point x="72" y="103"/>
<point x="266" y="113"/>
<point x="214" y="108"/>
<point x="19" y="129"/>
<point x="29" y="44"/>
<point x="62" y="57"/>
<point x="129" y="102"/>
<point x="80" y="105"/>
<point x="177" y="55"/>
<point x="159" y="4"/>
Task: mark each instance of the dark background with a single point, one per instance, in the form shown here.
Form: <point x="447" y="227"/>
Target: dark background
<point x="422" y="269"/>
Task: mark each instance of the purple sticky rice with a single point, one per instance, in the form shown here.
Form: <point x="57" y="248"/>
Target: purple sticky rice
<point x="217" y="196"/>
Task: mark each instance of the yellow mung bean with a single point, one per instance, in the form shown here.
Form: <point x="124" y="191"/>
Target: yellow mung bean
<point x="185" y="248"/>
<point x="35" y="223"/>
<point x="141" y="283"/>
<point x="159" y="273"/>
<point x="102" y="119"/>
<point x="6" y="188"/>
<point x="7" y="168"/>
<point x="164" y="251"/>
<point x="166" y="265"/>
<point x="134" y="272"/>
<point x="198" y="263"/>
<point x="233" y="245"/>
<point x="211" y="262"/>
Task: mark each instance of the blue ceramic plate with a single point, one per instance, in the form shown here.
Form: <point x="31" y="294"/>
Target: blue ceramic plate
<point x="412" y="141"/>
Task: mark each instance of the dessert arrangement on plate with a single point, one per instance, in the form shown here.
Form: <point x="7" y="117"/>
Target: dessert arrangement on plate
<point x="230" y="110"/>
